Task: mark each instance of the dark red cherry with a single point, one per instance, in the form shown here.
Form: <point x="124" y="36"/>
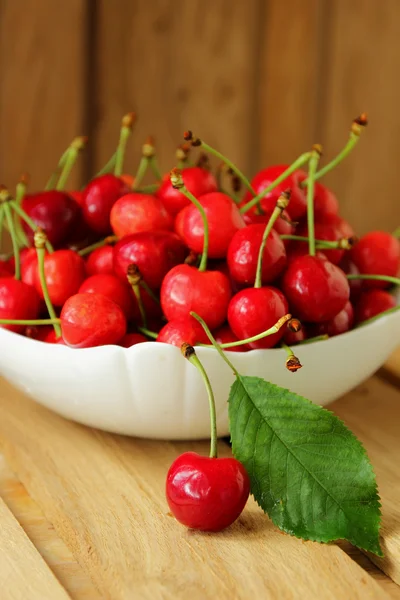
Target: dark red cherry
<point x="55" y="212"/>
<point x="99" y="196"/>
<point x="89" y="320"/>
<point x="100" y="261"/>
<point x="178" y="331"/>
<point x="109" y="285"/>
<point x="316" y="289"/>
<point x="131" y="339"/>
<point x="223" y="217"/>
<point x="348" y="267"/>
<point x="5" y="270"/>
<point x="294" y="337"/>
<point x="377" y="253"/>
<point x="225" y="335"/>
<point x="64" y="273"/>
<point x="197" y="181"/>
<point x="18" y="301"/>
<point x="281" y="225"/>
<point x="187" y="289"/>
<point x="327" y="232"/>
<point x="372" y="303"/>
<point x="134" y="213"/>
<point x="243" y="254"/>
<point x="154" y="252"/>
<point x="341" y="323"/>
<point x="255" y="310"/>
<point x="206" y="493"/>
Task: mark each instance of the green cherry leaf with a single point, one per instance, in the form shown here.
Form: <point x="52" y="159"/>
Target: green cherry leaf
<point x="308" y="471"/>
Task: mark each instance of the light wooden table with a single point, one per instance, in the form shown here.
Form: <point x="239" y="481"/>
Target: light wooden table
<point x="84" y="516"/>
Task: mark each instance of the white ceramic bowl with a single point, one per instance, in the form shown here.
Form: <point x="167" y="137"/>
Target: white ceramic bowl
<point x="150" y="390"/>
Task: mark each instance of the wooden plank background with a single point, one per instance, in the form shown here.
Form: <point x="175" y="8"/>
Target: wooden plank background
<point x="260" y="79"/>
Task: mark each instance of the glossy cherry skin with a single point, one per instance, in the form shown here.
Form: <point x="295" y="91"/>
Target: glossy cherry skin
<point x="341" y="323"/>
<point x="154" y="252"/>
<point x="100" y="261"/>
<point x="64" y="272"/>
<point x="224" y="219"/>
<point x="316" y="289"/>
<point x="112" y="287"/>
<point x="205" y="493"/>
<point x="255" y="310"/>
<point x="18" y="301"/>
<point x="89" y="320"/>
<point x="178" y="331"/>
<point x="29" y="267"/>
<point x="377" y="253"/>
<point x="372" y="303"/>
<point x="187" y="289"/>
<point x="243" y="254"/>
<point x="55" y="212"/>
<point x="280" y="225"/>
<point x="99" y="197"/>
<point x="325" y="201"/>
<point x="225" y="335"/>
<point x="328" y="232"/>
<point x="198" y="182"/>
<point x="131" y="339"/>
<point x="135" y="212"/>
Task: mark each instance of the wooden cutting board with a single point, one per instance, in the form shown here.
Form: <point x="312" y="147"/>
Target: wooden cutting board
<point x="104" y="496"/>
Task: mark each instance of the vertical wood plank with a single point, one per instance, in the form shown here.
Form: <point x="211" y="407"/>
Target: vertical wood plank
<point x="179" y="66"/>
<point x="362" y="74"/>
<point x="42" y="94"/>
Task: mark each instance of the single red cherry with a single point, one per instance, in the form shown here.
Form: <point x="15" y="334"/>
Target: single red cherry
<point x="281" y="225"/>
<point x="64" y="273"/>
<point x="29" y="267"/>
<point x="344" y="228"/>
<point x="348" y="267"/>
<point x="109" y="285"/>
<point x="187" y="289"/>
<point x="131" y="339"/>
<point x="225" y="335"/>
<point x="23" y="254"/>
<point x="100" y="261"/>
<point x="243" y="252"/>
<point x="18" y="301"/>
<point x="294" y="337"/>
<point x="206" y="493"/>
<point x="324" y="231"/>
<point x="78" y="196"/>
<point x="38" y="332"/>
<point x="55" y="212"/>
<point x="197" y="181"/>
<point x="51" y="338"/>
<point x="89" y="320"/>
<point x="179" y="331"/>
<point x="99" y="197"/>
<point x="316" y="289"/>
<point x="5" y="270"/>
<point x="223" y="217"/>
<point x="135" y="212"/>
<point x="325" y="201"/>
<point x="372" y="303"/>
<point x="341" y="323"/>
<point x="154" y="252"/>
<point x="255" y="310"/>
<point x="377" y="253"/>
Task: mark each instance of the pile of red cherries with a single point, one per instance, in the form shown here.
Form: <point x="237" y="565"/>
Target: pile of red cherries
<point x="120" y="263"/>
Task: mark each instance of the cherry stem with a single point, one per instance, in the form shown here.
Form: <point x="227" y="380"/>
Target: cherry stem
<point x="281" y="204"/>
<point x="150" y="292"/>
<point x="20" y="190"/>
<point x="50" y="185"/>
<point x="134" y="278"/>
<point x="190" y="354"/>
<point x="155" y="168"/>
<point x="149" y="189"/>
<point x="312" y="169"/>
<point x="376" y="317"/>
<point x="274" y="329"/>
<point x="343" y="244"/>
<point x="151" y="334"/>
<point x="108" y="167"/>
<point x="18" y="209"/>
<point x="2" y="216"/>
<point x="28" y="322"/>
<point x="108" y="240"/>
<point x="297" y="164"/>
<point x="72" y="154"/>
<point x="388" y="278"/>
<point x="357" y="127"/>
<point x="292" y="362"/>
<point x="396" y="233"/>
<point x="125" y="132"/>
<point x="141" y="172"/>
<point x="14" y="238"/>
<point x="40" y="242"/>
<point x="177" y="183"/>
<point x="214" y="343"/>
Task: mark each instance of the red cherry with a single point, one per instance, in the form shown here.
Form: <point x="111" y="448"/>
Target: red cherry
<point x="51" y="338"/>
<point x="187" y="289"/>
<point x="377" y="253"/>
<point x="55" y="212"/>
<point x="100" y="261"/>
<point x="206" y="493"/>
<point x="344" y="228"/>
<point x="134" y="213"/>
<point x="225" y="335"/>
<point x="112" y="287"/>
<point x="64" y="273"/>
<point x="255" y="310"/>
<point x="348" y="267"/>
<point x="197" y="181"/>
<point x="294" y="337"/>
<point x="224" y="219"/>
<point x="18" y="301"/>
<point x="78" y="196"/>
<point x="131" y="339"/>
<point x="178" y="331"/>
<point x="341" y="323"/>
<point x="5" y="270"/>
<point x="99" y="197"/>
<point x="316" y="289"/>
<point x="23" y="254"/>
<point x="328" y="232"/>
<point x="243" y="254"/>
<point x="89" y="320"/>
<point x="154" y="252"/>
<point x="280" y="225"/>
<point x="38" y="332"/>
<point x="372" y="303"/>
<point x="29" y="267"/>
<point x="179" y="224"/>
<point x="325" y="201"/>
